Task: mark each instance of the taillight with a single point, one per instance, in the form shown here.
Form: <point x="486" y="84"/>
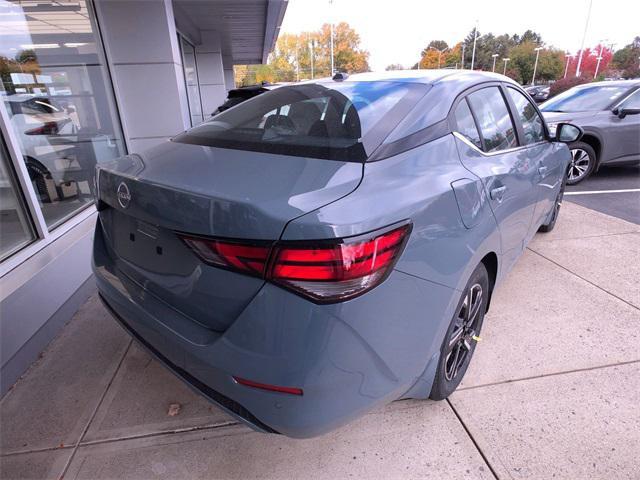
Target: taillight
<point x="48" y="128"/>
<point x="335" y="271"/>
<point x="325" y="271"/>
<point x="242" y="257"/>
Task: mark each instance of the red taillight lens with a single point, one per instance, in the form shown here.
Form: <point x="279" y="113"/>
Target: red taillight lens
<point x="325" y="271"/>
<point x="329" y="272"/>
<point x="48" y="128"/>
<point x="236" y="256"/>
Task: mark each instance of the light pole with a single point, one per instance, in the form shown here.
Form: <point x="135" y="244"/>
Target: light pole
<point x="535" y="65"/>
<point x="505" y="60"/>
<point x="595" y="74"/>
<point x="331" y="41"/>
<point x="462" y="59"/>
<point x="495" y="55"/>
<point x="566" y="67"/>
<point x="475" y="37"/>
<point x="584" y="36"/>
<point x="311" y="56"/>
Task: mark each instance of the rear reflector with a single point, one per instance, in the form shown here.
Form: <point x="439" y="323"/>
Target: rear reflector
<point x="324" y="271"/>
<point x="271" y="388"/>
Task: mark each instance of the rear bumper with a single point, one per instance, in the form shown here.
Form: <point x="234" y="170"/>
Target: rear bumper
<point x="348" y="358"/>
<point x="230" y="406"/>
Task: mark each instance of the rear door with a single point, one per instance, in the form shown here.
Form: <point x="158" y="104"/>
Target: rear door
<point x="488" y="146"/>
<point x="550" y="159"/>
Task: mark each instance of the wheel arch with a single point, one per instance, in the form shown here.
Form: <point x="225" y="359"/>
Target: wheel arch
<point x="490" y="262"/>
<point x="594" y="141"/>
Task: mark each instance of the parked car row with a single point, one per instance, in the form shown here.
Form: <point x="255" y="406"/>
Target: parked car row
<point x="539" y="93"/>
<point x="609" y="114"/>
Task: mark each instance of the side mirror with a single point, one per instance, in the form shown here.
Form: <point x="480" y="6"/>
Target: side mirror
<point x="568" y="133"/>
<point x="623" y="112"/>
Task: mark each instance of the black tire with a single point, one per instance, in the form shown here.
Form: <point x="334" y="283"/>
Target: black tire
<point x="552" y="218"/>
<point x="39" y="174"/>
<point x="581" y="165"/>
<point x="458" y="344"/>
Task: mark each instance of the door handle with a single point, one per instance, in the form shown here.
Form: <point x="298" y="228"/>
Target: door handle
<point x="498" y="192"/>
<point x="542" y="170"/>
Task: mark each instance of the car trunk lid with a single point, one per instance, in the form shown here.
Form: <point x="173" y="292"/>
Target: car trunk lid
<point x="146" y="199"/>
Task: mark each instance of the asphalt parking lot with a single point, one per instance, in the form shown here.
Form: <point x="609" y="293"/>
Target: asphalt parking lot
<point x="553" y="392"/>
<point x="623" y="201"/>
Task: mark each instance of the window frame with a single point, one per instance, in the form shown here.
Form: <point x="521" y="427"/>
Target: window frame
<point x="512" y="113"/>
<point x="629" y="94"/>
<point x="473" y="117"/>
<point x="516" y="117"/>
<point x="45" y="235"/>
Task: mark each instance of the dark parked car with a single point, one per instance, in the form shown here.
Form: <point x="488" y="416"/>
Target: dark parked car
<point x="538" y="92"/>
<point x="236" y="96"/>
<point x="608" y="112"/>
<point x="331" y="246"/>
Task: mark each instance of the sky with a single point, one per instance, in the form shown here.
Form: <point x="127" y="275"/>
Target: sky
<point x="396" y="31"/>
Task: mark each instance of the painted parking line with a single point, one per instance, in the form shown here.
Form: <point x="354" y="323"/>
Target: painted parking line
<point x="593" y="192"/>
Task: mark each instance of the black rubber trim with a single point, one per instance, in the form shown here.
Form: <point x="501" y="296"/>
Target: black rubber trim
<point x="204" y="389"/>
<point x="426" y="135"/>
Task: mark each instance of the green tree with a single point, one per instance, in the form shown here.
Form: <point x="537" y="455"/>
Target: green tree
<point x="530" y="37"/>
<point x="308" y="54"/>
<point x="348" y="55"/>
<point x="626" y="59"/>
<point x="523" y="57"/>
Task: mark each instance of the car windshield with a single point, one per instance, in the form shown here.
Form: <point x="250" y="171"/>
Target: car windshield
<point x="585" y="98"/>
<point x="337" y="121"/>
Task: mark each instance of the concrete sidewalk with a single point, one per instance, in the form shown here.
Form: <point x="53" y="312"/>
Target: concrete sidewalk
<point x="553" y="392"/>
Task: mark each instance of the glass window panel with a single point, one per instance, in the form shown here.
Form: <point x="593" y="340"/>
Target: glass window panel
<point x="493" y="118"/>
<point x="531" y="122"/>
<point x="56" y="90"/>
<point x="191" y="79"/>
<point x="633" y="101"/>
<point x="466" y="124"/>
<point x="16" y="229"/>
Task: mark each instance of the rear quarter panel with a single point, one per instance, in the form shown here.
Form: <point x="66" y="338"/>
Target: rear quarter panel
<point x="415" y="185"/>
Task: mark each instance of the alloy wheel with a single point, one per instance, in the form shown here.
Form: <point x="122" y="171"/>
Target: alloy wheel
<point x="579" y="165"/>
<point x="461" y="340"/>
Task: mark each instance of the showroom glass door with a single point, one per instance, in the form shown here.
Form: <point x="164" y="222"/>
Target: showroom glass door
<point x="59" y="100"/>
<point x="190" y="68"/>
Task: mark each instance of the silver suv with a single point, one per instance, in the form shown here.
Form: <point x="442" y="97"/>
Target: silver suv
<point x="608" y="112"/>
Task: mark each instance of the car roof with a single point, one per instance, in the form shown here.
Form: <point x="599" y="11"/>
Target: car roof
<point x="613" y="83"/>
<point x="427" y="77"/>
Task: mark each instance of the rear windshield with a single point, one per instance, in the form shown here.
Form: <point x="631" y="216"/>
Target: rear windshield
<point x="337" y="121"/>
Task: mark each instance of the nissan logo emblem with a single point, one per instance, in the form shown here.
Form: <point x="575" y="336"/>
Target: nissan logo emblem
<point x="124" y="197"/>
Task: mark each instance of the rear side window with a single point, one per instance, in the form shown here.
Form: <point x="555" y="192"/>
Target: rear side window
<point x="494" y="121"/>
<point x="465" y="124"/>
<point x="337" y="121"/>
<point x="531" y="122"/>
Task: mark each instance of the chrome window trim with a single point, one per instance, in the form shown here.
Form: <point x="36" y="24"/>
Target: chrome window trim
<point x="497" y="152"/>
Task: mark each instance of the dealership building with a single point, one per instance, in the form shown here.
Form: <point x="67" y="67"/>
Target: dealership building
<point x="83" y="82"/>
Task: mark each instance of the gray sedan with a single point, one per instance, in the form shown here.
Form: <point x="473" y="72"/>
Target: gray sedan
<point x="608" y="114"/>
<point x="330" y="246"/>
